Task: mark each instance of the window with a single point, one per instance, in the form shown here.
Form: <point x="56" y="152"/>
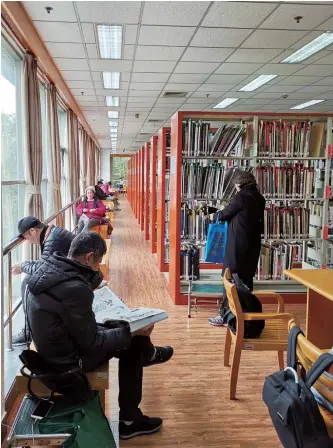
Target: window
<point x="62" y="120"/>
<point x="119" y="170"/>
<point x="45" y="148"/>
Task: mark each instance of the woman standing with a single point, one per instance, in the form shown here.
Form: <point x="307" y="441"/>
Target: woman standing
<point x="91" y="211"/>
<point x="245" y="217"/>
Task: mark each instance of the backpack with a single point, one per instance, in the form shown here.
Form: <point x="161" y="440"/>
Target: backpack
<point x="250" y="304"/>
<point x="291" y="404"/>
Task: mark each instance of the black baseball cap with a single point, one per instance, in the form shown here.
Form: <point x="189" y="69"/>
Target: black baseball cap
<point x="27" y="223"/>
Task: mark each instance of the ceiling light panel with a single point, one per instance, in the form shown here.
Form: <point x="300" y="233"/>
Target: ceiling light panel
<point x="110" y="39"/>
<point x="111" y="80"/>
<point x="113" y="114"/>
<point x="256" y="83"/>
<point x="225" y="103"/>
<point x="112" y="101"/>
<point x="307" y="104"/>
<point x="113" y="124"/>
<point x="319" y="43"/>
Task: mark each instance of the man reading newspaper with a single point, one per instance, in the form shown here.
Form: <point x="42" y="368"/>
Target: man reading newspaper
<point x="64" y="329"/>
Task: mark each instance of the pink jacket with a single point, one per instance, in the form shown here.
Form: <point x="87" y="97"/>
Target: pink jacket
<point x="105" y="188"/>
<point x="99" y="211"/>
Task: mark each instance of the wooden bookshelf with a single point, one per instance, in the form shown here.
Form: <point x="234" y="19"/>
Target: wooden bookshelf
<point x="141" y="187"/>
<point x="176" y="161"/>
<point x="146" y="187"/>
<point x="137" y="183"/>
<point x="153" y="193"/>
<point x="162" y="199"/>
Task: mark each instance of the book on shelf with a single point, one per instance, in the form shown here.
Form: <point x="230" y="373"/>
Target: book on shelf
<point x="275" y="258"/>
<point x="107" y="306"/>
<point x="286" y="222"/>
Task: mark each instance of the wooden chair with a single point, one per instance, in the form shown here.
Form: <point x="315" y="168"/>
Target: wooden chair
<point x="102" y="229"/>
<point x="105" y="265"/>
<point x="273" y="338"/>
<point x="307" y="354"/>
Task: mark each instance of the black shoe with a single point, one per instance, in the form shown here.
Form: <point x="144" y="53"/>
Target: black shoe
<point x="162" y="354"/>
<point x="145" y="425"/>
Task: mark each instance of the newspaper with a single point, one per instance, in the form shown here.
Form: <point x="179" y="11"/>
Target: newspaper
<point x="107" y="306"/>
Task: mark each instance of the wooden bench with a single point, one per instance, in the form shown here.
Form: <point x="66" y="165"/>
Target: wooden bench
<point x="105" y="265"/>
<point x="98" y="379"/>
<point x="102" y="229"/>
<point x="109" y="203"/>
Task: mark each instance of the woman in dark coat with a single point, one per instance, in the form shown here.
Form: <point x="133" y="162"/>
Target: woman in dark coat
<point x="245" y="217"/>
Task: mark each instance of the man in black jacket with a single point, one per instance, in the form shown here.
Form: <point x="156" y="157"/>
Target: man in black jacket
<point x="65" y="332"/>
<point x="50" y="239"/>
<point x="245" y="217"/>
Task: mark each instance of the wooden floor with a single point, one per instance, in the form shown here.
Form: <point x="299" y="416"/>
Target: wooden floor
<point x="190" y="392"/>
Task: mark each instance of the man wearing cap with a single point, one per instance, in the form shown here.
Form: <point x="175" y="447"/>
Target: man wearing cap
<point x="50" y="239"/>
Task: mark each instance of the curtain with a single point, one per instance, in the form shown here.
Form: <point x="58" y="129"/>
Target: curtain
<point x="73" y="155"/>
<point x="97" y="163"/>
<point x="54" y="172"/>
<point x="85" y="177"/>
<point x="91" y="163"/>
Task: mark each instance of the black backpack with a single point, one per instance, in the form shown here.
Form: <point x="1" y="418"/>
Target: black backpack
<point x="291" y="404"/>
<point x="250" y="304"/>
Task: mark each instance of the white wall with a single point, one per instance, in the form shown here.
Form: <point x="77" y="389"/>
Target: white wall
<point x="105" y="165"/>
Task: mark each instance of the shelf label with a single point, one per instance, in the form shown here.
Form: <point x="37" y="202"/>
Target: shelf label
<point x="325" y="232"/>
<point x="329" y="151"/>
<point x="327" y="191"/>
<point x="173" y="165"/>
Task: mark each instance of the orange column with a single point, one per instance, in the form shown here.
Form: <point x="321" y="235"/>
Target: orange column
<point x="153" y="190"/>
<point x="146" y="192"/>
<point x="142" y="183"/>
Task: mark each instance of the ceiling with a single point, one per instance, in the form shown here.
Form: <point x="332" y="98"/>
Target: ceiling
<point x="208" y="49"/>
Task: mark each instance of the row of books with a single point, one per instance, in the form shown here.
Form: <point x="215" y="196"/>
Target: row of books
<point x="275" y="258"/>
<point x="286" y="222"/>
<point x="286" y="139"/>
<point x="202" y="180"/>
<point x="194" y="223"/>
<point x="198" y="139"/>
<point x="291" y="180"/>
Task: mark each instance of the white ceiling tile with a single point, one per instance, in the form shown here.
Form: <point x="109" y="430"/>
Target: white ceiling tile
<point x="130" y="33"/>
<point x="178" y="87"/>
<point x="225" y="79"/>
<point x="299" y="95"/>
<point x="211" y="95"/>
<point x="328" y="81"/>
<point x="86" y="99"/>
<point x="279" y="69"/>
<point x="59" y="31"/>
<point x="215" y="88"/>
<point x="315" y="89"/>
<point x="282" y="88"/>
<point x="253" y="55"/>
<point x="305" y="40"/>
<point x="283" y="17"/>
<point x="196" y="67"/>
<point x="237" y="69"/>
<point x="237" y="14"/>
<point x="113" y="12"/>
<point x="256" y="101"/>
<point x="150" y="77"/>
<point x="97" y="76"/>
<point x="110" y="65"/>
<point x="154" y="66"/>
<point x="155" y="53"/>
<point x="144" y="93"/>
<point x="242" y="95"/>
<point x="194" y="54"/>
<point x="219" y="37"/>
<point x="194" y="100"/>
<point x="71" y="64"/>
<point x="129" y="51"/>
<point x="328" y="59"/>
<point x="191" y="107"/>
<point x="144" y="101"/>
<point x="316" y="70"/>
<point x="98" y="85"/>
<point x="325" y="96"/>
<point x="173" y="13"/>
<point x="76" y="76"/>
<point x="112" y="92"/>
<point x="147" y="85"/>
<point x="88" y="33"/>
<point x="63" y="50"/>
<point x="269" y="95"/>
<point x="299" y="80"/>
<point x="77" y="91"/>
<point x="272" y="39"/>
<point x="326" y="26"/>
<point x="62" y="12"/>
<point x="286" y="102"/>
<point x="187" y="78"/>
<point x="92" y="51"/>
<point x="165" y="35"/>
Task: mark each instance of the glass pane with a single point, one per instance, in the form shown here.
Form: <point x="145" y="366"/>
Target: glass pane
<point x="12" y="207"/>
<point x="119" y="170"/>
<point x="42" y="91"/>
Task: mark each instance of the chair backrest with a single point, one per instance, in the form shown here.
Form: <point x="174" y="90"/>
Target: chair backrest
<point x="307" y="354"/>
<point x="234" y="303"/>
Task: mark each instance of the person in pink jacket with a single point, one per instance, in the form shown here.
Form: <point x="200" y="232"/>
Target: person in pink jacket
<point x="91" y="211"/>
<point x="106" y="188"/>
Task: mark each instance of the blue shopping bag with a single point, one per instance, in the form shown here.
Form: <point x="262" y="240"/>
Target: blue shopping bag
<point x="216" y="242"/>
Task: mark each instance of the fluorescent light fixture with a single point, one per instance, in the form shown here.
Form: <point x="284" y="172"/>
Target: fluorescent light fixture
<point x="225" y="103"/>
<point x="113" y="114"/>
<point x="111" y="80"/>
<point x="311" y="48"/>
<point x="307" y="104"/>
<point x="110" y="39"/>
<point x="112" y="101"/>
<point x="113" y="124"/>
<point x="256" y="83"/>
<point x="113" y="130"/>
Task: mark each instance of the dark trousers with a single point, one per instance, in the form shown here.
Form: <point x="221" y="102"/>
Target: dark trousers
<point x="130" y="375"/>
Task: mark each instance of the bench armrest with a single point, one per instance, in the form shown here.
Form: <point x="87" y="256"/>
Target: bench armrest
<point x="267" y="316"/>
<point x="280" y="301"/>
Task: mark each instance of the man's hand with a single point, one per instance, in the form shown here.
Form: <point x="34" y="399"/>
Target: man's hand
<point x="16" y="269"/>
<point x="147" y="331"/>
<point x="85" y="210"/>
<point x="92" y="210"/>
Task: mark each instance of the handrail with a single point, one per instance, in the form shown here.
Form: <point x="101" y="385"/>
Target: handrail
<point x="19" y="240"/>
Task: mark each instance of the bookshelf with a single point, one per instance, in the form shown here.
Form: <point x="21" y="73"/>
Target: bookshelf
<point x="137" y="178"/>
<point x="141" y="187"/>
<point x="153" y="195"/>
<point x="163" y="154"/>
<point x="146" y="152"/>
<point x="311" y="249"/>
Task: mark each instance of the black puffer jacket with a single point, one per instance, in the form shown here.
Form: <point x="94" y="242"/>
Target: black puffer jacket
<point x="59" y="240"/>
<point x="61" y="319"/>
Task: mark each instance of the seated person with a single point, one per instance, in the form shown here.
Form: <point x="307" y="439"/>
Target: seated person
<point x="91" y="211"/>
<point x="65" y="332"/>
<point x="106" y="188"/>
<point x="99" y="193"/>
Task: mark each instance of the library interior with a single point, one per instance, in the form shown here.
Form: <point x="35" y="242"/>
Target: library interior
<point x="167" y="224"/>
